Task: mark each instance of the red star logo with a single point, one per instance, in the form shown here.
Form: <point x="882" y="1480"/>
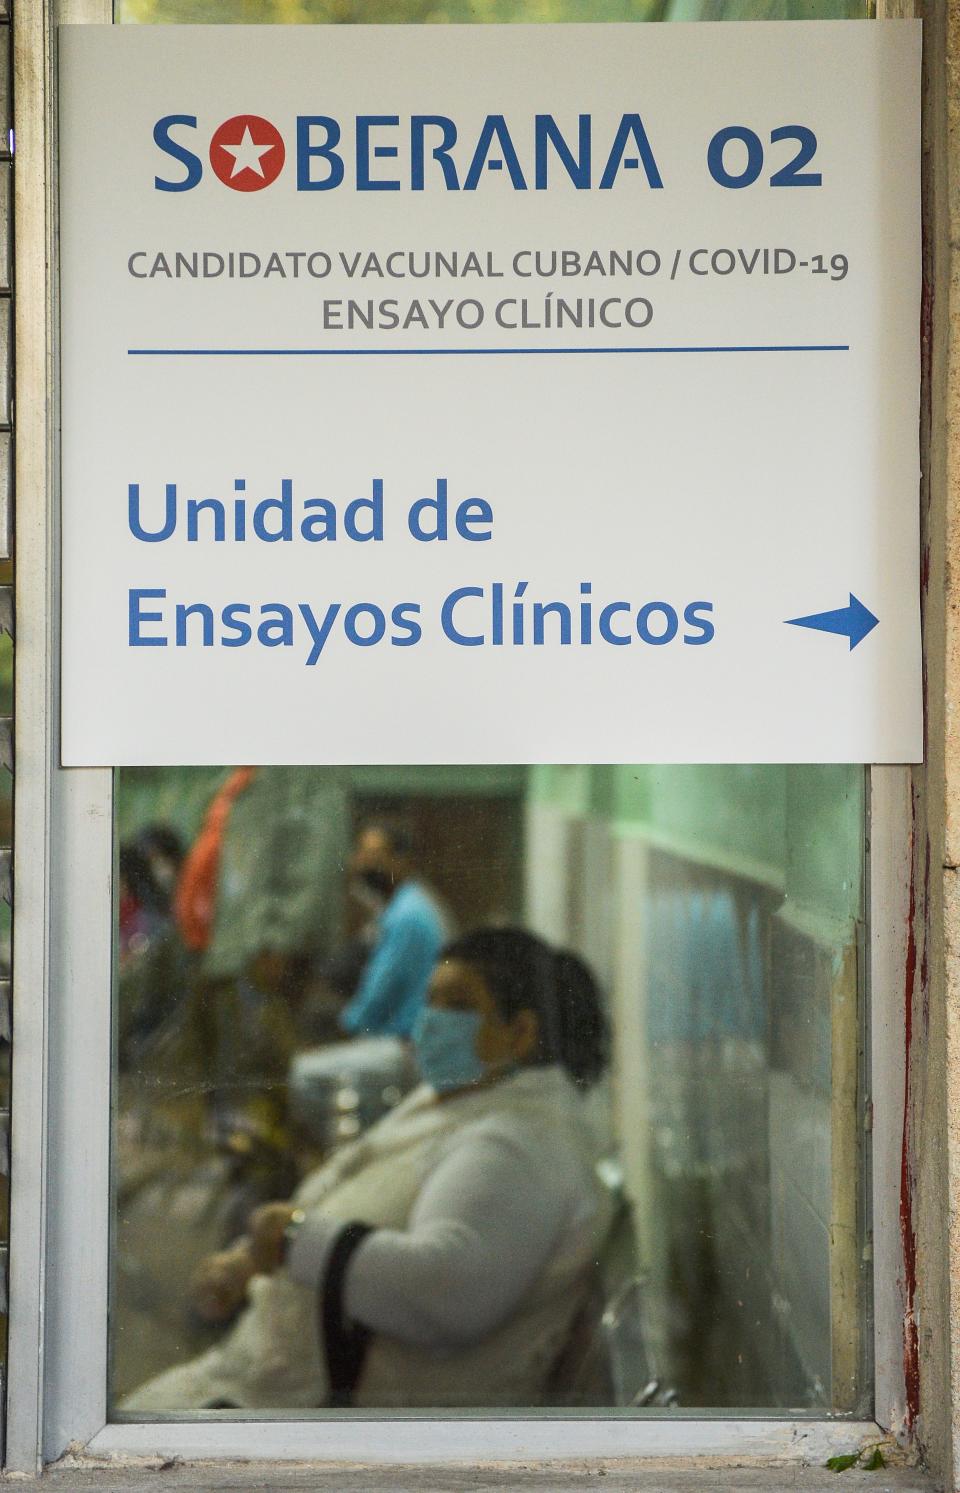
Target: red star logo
<point x="247" y="153"/>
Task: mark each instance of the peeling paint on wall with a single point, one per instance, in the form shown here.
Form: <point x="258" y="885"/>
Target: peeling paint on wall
<point x="911" y="1341"/>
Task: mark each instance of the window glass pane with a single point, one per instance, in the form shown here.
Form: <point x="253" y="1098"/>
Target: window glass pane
<point x="542" y="1239"/>
<point x="686" y="1227"/>
<point x="299" y="12"/>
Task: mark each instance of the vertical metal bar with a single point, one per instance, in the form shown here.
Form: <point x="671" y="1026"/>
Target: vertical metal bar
<point x="32" y="41"/>
<point x="63" y="859"/>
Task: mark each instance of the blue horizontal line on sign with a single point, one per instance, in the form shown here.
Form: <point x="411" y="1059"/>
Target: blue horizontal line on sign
<point x="462" y="352"/>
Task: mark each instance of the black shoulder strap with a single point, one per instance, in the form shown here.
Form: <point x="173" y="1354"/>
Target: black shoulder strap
<point x="344" y="1343"/>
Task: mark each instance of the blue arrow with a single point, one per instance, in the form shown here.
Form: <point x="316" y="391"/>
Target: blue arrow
<point x="853" y="622"/>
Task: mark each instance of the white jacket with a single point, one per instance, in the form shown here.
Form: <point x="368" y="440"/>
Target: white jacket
<point x="488" y="1214"/>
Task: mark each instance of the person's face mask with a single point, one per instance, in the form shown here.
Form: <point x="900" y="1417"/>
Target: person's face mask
<point x="444" y="1043"/>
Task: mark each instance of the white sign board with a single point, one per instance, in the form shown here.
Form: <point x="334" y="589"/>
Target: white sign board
<point x="467" y="394"/>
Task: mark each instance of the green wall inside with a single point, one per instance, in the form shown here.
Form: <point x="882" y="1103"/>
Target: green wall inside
<point x="800" y="826"/>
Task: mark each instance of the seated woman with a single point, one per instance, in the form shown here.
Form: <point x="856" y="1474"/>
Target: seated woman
<point x="439" y="1259"/>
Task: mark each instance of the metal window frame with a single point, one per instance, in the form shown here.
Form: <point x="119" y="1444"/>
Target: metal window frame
<point x="60" y="1235"/>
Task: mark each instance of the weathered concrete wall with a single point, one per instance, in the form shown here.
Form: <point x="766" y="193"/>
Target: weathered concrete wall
<point x="947" y="473"/>
<point x="693" y="1476"/>
<point x="930" y="1222"/>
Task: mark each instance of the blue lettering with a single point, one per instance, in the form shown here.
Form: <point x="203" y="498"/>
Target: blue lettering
<point x="285" y="505"/>
<point x="195" y="507"/>
<point x="412" y="628"/>
<point x="366" y="122"/>
<point x="161" y="136"/>
<point x="322" y="525"/>
<point x="474" y="511"/>
<point x="136" y="617"/>
<point x="548" y="133"/>
<point x="353" y="511"/>
<point x="631" y="128"/>
<point x="446" y="618"/>
<point x="354" y="635"/>
<point x="197" y="609"/>
<point x="603" y="623"/>
<point x="791" y="175"/>
<point x="233" y="615"/>
<point x="494" y="129"/>
<point x="543" y="609"/>
<point x="276" y="631"/>
<point x="440" y="153"/>
<point x="438" y="506"/>
<point x="306" y="150"/>
<point x="319" y="632"/>
<point x="643" y="623"/>
<point x="719" y="144"/>
<point x="692" y="619"/>
<point x="133" y="514"/>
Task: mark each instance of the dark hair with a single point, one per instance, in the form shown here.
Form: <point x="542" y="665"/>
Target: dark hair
<point x="161" y="839"/>
<point x="137" y="873"/>
<point x="525" y="974"/>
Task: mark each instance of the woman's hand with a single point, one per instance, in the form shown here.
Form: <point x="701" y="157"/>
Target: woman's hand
<point x="219" y="1283"/>
<point x="267" y="1227"/>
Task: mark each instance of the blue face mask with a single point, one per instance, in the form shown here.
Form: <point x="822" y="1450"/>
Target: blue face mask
<point x="445" y="1046"/>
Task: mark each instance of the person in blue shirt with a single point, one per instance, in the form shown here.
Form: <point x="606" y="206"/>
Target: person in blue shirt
<point x="410" y="931"/>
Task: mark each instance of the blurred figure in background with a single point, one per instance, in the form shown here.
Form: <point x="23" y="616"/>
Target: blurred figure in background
<point x="339" y="1088"/>
<point x="164" y="850"/>
<point x="202" y="1133"/>
<point x="153" y="961"/>
<point x="259" y="897"/>
<point x="408" y="932"/>
<point x="137" y="900"/>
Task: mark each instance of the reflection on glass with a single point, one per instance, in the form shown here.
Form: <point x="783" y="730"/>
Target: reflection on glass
<point x="487" y="1087"/>
<point x="524" y="1228"/>
<point x="422" y="12"/>
<point x="353" y="12"/>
